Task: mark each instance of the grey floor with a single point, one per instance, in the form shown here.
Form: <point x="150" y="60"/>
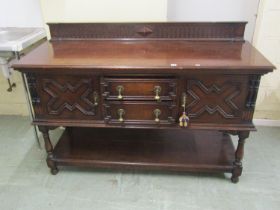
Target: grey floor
<point x="25" y="181"/>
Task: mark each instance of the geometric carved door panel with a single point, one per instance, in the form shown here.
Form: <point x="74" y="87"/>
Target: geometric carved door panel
<point x="69" y="97"/>
<point x="216" y="99"/>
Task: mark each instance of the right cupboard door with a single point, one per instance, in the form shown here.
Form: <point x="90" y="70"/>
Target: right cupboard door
<point x="217" y="99"/>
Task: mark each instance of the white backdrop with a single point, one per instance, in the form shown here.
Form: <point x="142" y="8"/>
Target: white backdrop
<point x="27" y="13"/>
<point x="20" y="13"/>
<point x="215" y="10"/>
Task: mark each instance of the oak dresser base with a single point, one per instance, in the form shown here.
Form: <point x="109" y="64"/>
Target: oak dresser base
<point x="160" y="96"/>
<point x="155" y="149"/>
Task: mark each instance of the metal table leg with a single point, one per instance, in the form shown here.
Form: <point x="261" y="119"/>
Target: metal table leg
<point x="30" y="109"/>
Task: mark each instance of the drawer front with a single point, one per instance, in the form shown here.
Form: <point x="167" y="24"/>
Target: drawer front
<point x="140" y="112"/>
<point x="65" y="97"/>
<point x="139" y="89"/>
<point x="216" y="99"/>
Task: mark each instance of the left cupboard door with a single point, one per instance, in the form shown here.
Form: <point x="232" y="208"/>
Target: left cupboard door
<point x="64" y="97"/>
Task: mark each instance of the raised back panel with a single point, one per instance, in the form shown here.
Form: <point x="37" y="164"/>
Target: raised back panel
<point x="228" y="31"/>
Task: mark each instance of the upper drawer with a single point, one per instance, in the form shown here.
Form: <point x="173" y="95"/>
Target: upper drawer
<point x="154" y="89"/>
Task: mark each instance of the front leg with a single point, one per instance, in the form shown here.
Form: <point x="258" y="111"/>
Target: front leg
<point x="237" y="164"/>
<point x="49" y="149"/>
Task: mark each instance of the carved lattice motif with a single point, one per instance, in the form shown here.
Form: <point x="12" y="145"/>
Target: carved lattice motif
<point x="69" y="97"/>
<point x="148" y="30"/>
<point x="221" y="99"/>
<point x="32" y="85"/>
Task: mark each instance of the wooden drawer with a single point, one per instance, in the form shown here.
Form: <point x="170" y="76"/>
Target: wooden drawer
<point x="139" y="88"/>
<point x="140" y="112"/>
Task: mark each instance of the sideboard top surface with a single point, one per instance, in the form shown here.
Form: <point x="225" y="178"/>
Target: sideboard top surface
<point x="175" y="47"/>
<point x="179" y="55"/>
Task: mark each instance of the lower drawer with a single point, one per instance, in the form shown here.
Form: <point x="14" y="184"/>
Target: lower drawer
<point x="140" y="112"/>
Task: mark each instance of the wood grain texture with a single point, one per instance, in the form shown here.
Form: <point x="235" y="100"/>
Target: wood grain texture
<point x="135" y="88"/>
<point x="233" y="31"/>
<point x="139" y="112"/>
<point x="217" y="98"/>
<point x="67" y="97"/>
<point x="126" y="81"/>
<point x="136" y="57"/>
<point x="57" y="91"/>
<point x="32" y="87"/>
<point x="149" y="149"/>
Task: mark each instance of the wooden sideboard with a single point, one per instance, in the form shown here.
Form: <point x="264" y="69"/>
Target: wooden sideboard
<point x="119" y="89"/>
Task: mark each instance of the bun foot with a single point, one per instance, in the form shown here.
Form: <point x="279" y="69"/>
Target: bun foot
<point x="54" y="171"/>
<point x="234" y="179"/>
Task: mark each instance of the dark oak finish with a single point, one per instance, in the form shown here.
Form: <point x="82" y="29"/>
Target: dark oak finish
<point x="67" y="97"/>
<point x="187" y="31"/>
<point x="129" y="83"/>
<point x="144" y="116"/>
<point x="49" y="149"/>
<point x="227" y="94"/>
<point x="145" y="57"/>
<point x="139" y="88"/>
<point x="146" y="149"/>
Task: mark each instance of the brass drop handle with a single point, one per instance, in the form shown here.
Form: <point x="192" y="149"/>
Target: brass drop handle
<point x="184" y="119"/>
<point x="95" y="98"/>
<point x="120" y="89"/>
<point x="121" y="113"/>
<point x="157" y="90"/>
<point x="157" y="113"/>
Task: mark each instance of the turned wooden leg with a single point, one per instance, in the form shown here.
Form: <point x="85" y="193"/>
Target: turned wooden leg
<point x="237" y="164"/>
<point x="49" y="149"/>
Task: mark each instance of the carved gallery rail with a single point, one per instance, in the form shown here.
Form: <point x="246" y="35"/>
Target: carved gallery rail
<point x="163" y="96"/>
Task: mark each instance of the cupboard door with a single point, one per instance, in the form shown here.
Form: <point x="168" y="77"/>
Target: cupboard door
<point x="64" y="96"/>
<point x="216" y="98"/>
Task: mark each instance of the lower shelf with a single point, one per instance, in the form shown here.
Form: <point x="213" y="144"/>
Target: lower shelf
<point x="176" y="150"/>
